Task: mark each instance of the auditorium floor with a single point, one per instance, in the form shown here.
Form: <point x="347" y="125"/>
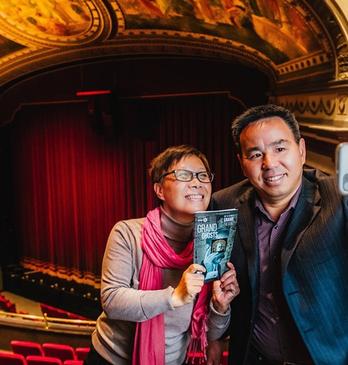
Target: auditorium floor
<point x="23" y="305"/>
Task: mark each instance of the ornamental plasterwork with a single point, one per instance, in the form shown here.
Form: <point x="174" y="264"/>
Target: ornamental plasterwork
<point x="302" y="63"/>
<point x="320" y="108"/>
<point x="342" y="58"/>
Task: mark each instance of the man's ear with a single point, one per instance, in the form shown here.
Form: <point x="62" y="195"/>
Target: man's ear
<point x="158" y="189"/>
<point x="302" y="148"/>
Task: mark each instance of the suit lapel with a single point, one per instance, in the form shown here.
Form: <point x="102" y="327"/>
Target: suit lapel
<point x="247" y="235"/>
<point x="305" y="211"/>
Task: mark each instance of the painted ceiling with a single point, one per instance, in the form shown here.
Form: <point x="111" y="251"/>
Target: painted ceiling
<point x="285" y="34"/>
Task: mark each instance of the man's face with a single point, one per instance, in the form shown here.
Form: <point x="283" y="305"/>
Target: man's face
<point x="272" y="160"/>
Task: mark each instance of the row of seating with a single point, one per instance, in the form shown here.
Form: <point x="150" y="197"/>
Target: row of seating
<point x="199" y="358"/>
<point x="59" y="313"/>
<point x="9" y="358"/>
<point x="34" y="353"/>
<point x="61" y="351"/>
<point x="6" y="305"/>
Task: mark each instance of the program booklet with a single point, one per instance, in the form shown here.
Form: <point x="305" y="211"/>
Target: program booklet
<point x="214" y="233"/>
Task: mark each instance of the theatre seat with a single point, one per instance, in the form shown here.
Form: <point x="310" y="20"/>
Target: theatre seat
<point x="26" y="348"/>
<point x="82" y="352"/>
<point x="224" y="360"/>
<point x="58" y="313"/>
<point x="43" y="360"/>
<point x="73" y="362"/>
<point x="62" y="352"/>
<point x="9" y="358"/>
<point x="198" y="357"/>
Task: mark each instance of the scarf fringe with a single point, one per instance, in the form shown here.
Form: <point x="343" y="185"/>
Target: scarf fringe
<point x="196" y="352"/>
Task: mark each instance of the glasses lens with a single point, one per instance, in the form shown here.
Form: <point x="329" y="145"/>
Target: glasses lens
<point x="183" y="175"/>
<point x="204" y="176"/>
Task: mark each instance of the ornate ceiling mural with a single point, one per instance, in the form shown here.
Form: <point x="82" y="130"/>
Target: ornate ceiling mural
<point x="279" y="30"/>
<point x="7" y="46"/>
<point x="285" y="34"/>
<point x="50" y="22"/>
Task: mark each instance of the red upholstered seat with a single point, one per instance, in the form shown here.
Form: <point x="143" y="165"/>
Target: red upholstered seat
<point x="6" y="305"/>
<point x="9" y="358"/>
<point x="63" y="352"/>
<point x="58" y="313"/>
<point x="199" y="356"/>
<point x="43" y="360"/>
<point x="82" y="352"/>
<point x="224" y="360"/>
<point x="26" y="348"/>
<point x="73" y="362"/>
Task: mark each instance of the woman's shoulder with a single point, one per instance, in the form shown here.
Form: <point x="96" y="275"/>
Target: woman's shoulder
<point x="126" y="233"/>
<point x="129" y="225"/>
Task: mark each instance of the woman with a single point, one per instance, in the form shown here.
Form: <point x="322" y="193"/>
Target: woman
<point x="154" y="301"/>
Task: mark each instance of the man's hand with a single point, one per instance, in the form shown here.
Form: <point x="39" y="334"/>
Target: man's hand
<point x="225" y="289"/>
<point x="191" y="283"/>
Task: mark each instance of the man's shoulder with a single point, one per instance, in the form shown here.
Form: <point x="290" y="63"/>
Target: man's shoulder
<point x="321" y="179"/>
<point x="222" y="199"/>
<point x="315" y="175"/>
<point x="233" y="189"/>
<point x="324" y="191"/>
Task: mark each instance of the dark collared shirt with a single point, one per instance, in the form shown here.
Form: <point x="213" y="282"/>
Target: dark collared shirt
<point x="275" y="333"/>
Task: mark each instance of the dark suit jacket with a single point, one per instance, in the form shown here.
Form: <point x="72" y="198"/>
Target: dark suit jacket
<point x="314" y="264"/>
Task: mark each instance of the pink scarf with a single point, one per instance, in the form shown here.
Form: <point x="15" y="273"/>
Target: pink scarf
<point x="149" y="343"/>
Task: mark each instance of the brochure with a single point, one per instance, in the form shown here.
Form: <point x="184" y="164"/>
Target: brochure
<point x="214" y="233"/>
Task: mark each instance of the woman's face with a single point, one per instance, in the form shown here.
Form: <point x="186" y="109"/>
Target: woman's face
<point x="182" y="199"/>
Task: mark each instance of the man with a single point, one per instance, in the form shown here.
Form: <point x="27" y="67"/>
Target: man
<point x="290" y="252"/>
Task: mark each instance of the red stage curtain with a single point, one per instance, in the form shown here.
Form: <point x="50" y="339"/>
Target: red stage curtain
<point x="74" y="178"/>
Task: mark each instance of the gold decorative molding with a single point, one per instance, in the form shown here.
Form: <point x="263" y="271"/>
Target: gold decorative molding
<point x="342" y="58"/>
<point x="321" y="108"/>
<point x="323" y="119"/>
<point x="121" y="23"/>
<point x="303" y="63"/>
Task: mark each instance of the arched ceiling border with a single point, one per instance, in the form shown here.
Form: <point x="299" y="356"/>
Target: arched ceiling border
<point x="115" y="28"/>
<point x="292" y="69"/>
<point x="318" y="63"/>
<point x="134" y="46"/>
<point x="323" y="102"/>
<point x="336" y="25"/>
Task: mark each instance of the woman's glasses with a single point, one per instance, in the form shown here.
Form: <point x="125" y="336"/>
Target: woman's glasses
<point x="187" y="175"/>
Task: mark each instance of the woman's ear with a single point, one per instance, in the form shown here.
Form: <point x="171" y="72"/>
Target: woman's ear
<point x="158" y="189"/>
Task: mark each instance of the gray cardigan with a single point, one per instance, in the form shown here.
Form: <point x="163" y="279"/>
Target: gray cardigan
<point x="124" y="305"/>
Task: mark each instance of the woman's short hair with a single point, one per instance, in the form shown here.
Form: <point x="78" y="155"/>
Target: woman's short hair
<point x="162" y="162"/>
<point x="260" y="112"/>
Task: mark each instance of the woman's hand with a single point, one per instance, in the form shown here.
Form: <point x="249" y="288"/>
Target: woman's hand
<point x="225" y="289"/>
<point x="191" y="283"/>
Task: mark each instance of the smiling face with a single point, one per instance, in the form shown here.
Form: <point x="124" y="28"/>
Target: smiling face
<point x="182" y="199"/>
<point x="272" y="160"/>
